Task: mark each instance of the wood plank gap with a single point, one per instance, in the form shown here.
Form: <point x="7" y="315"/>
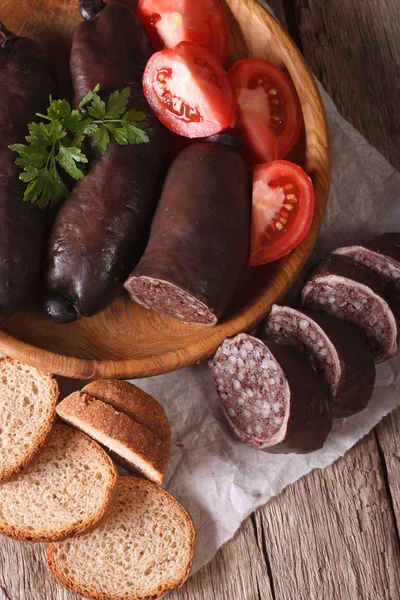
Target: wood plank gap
<point x="387" y="484"/>
<point x="291" y="16"/>
<point x="264" y="549"/>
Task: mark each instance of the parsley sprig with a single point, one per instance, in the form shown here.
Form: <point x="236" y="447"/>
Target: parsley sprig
<point x="57" y="141"/>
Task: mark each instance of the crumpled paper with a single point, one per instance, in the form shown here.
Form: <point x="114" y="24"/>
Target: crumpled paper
<point x="218" y="479"/>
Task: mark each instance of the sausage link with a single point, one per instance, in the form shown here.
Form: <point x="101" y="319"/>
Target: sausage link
<point x="199" y="238"/>
<point x="26" y="80"/>
<point x="271" y="397"/>
<point x="101" y="229"/>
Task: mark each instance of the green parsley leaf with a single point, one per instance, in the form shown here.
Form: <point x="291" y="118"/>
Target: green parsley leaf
<point x="45" y="189"/>
<point x="117" y="103"/>
<point x="68" y="157"/>
<point x="102" y="139"/>
<point x="88" y="97"/>
<point x="57" y="142"/>
<point x="97" y="108"/>
<point x="125" y="133"/>
<point x="133" y="116"/>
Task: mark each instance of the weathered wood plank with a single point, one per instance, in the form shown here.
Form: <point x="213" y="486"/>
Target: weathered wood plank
<point x="353" y="46"/>
<point x="332" y="535"/>
<point x="237" y="572"/>
<point x="388" y="435"/>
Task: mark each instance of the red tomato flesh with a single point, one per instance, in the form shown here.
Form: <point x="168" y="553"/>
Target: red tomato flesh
<point x="189" y="91"/>
<point x="282" y="210"/>
<point x="168" y="22"/>
<point x="267" y="103"/>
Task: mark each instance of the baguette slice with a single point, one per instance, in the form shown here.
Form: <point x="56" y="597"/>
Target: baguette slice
<point x="126" y="421"/>
<point x="66" y="490"/>
<point x="142" y="550"/>
<point x="27" y="412"/>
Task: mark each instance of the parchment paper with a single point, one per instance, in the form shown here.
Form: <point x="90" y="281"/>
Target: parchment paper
<point x="217" y="478"/>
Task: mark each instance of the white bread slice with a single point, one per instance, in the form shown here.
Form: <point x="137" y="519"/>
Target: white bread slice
<point x="66" y="490"/>
<point x="27" y="412"/>
<point x="126" y="421"/>
<point x="143" y="549"/>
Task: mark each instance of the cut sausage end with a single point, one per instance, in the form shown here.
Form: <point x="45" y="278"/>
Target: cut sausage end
<point x="357" y="304"/>
<point x="253" y="391"/>
<point x="386" y="266"/>
<point x="169" y="300"/>
<point x="297" y="330"/>
<point x="333" y="348"/>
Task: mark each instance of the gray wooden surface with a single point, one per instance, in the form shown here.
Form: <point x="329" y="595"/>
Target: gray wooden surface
<point x="333" y="535"/>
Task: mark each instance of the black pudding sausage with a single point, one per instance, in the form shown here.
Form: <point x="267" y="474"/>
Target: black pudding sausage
<point x="333" y="348"/>
<point x="381" y="255"/>
<point x="354" y="293"/>
<point x="26" y="80"/>
<point x="271" y="397"/>
<point x="199" y="239"/>
<point x="100" y="231"/>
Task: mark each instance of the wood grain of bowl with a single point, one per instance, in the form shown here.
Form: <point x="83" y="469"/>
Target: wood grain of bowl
<point x="127" y="341"/>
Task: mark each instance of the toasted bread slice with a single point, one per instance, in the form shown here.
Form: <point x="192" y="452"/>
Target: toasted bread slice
<point x="114" y="414"/>
<point x="66" y="490"/>
<point x="143" y="549"/>
<point x="28" y="400"/>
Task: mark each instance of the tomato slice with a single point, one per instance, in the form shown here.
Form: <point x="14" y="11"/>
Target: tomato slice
<point x="266" y="100"/>
<point x="189" y="91"/>
<point x="282" y="210"/>
<point x="168" y="22"/>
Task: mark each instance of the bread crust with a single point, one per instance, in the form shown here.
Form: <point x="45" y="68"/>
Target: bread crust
<point x="134" y="402"/>
<point x="81" y="527"/>
<point x="117" y="413"/>
<point x="93" y="594"/>
<point x="28" y="456"/>
<point x="80" y="409"/>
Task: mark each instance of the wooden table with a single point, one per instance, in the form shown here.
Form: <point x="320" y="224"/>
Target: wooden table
<point x="334" y="535"/>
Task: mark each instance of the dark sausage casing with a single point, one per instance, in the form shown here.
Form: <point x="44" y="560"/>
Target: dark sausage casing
<point x="352" y="292"/>
<point x="381" y="255"/>
<point x="100" y="230"/>
<point x="26" y="80"/>
<point x="271" y="397"/>
<point x="199" y="238"/>
<point x="333" y="348"/>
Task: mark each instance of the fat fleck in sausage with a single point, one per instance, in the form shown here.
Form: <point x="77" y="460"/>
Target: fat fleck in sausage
<point x="26" y="80"/>
<point x="333" y="348"/>
<point x="199" y="238"/>
<point x="100" y="230"/>
<point x="271" y="397"/>
<point x="381" y="255"/>
<point x="354" y="293"/>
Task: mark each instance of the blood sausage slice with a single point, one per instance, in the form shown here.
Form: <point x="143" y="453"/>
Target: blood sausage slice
<point x="271" y="397"/>
<point x="333" y="348"/>
<point x="355" y="294"/>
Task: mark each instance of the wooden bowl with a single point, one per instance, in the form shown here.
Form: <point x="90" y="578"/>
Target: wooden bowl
<point x="127" y="341"/>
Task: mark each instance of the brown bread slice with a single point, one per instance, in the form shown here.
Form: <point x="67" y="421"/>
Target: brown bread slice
<point x="126" y="421"/>
<point x="66" y="490"/>
<point x="143" y="549"/>
<point x="28" y="400"/>
<point x="131" y="400"/>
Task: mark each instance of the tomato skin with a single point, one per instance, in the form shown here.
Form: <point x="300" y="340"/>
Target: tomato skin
<point x="169" y="22"/>
<point x="282" y="210"/>
<point x="189" y="91"/>
<point x="266" y="98"/>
